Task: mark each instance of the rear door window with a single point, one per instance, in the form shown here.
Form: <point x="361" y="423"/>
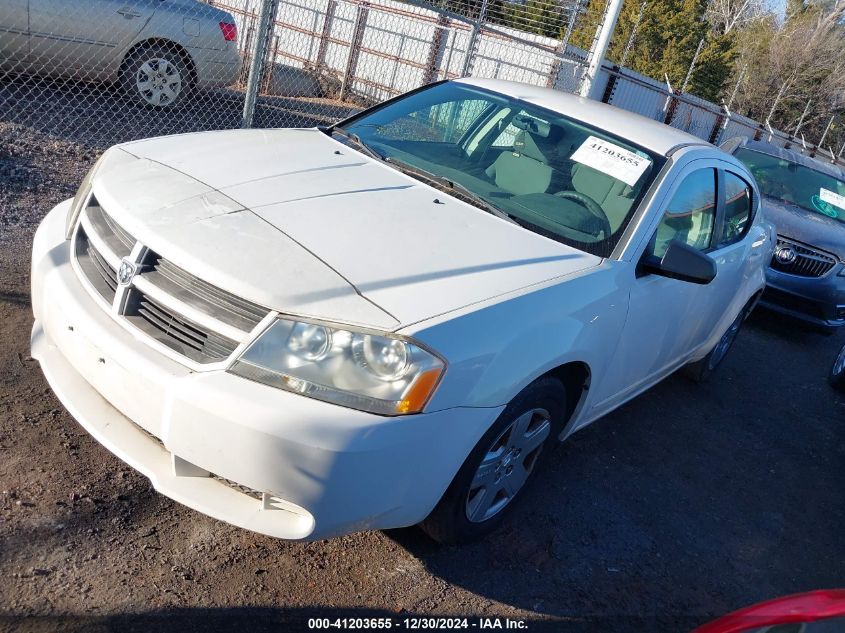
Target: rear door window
<point x="738" y="209"/>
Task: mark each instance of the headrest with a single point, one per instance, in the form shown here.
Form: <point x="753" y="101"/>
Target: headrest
<point x="525" y="145"/>
<point x="530" y="124"/>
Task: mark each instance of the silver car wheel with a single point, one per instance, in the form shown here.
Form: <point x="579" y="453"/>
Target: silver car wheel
<point x="507" y="464"/>
<point x="158" y="82"/>
<point x="839" y="365"/>
<point x="722" y="347"/>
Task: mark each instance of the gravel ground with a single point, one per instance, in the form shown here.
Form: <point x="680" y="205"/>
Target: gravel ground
<point x="686" y="503"/>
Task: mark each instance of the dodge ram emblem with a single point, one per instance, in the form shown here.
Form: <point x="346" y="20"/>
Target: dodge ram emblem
<point x="126" y="272"/>
<point x="785" y="255"/>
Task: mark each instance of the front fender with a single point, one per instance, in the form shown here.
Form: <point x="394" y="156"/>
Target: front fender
<point x="495" y="351"/>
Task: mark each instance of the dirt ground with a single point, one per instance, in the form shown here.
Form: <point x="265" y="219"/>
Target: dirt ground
<point x="684" y="504"/>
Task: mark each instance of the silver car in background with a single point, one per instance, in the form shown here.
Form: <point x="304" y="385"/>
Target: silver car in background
<point x="158" y="50"/>
<point x="805" y="199"/>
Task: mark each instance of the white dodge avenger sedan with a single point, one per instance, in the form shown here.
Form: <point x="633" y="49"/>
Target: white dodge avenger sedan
<point x="390" y="321"/>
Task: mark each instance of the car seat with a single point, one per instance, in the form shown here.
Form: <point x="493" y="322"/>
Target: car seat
<point x="525" y="169"/>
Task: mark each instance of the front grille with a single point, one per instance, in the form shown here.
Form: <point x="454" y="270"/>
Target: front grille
<point x="808" y="262"/>
<point x="176" y="332"/>
<point x="222" y="305"/>
<point x="98" y="271"/>
<point x="117" y="239"/>
<point x="219" y="321"/>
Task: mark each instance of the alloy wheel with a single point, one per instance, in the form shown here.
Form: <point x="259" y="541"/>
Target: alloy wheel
<point x="721" y="349"/>
<point x="839" y="364"/>
<point x="158" y="81"/>
<point x="507" y="465"/>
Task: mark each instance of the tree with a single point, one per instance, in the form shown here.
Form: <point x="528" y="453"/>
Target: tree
<point x="802" y="59"/>
<point x="727" y="16"/>
<point x="665" y="42"/>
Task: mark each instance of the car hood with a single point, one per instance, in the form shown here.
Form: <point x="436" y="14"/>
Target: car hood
<point x="303" y="224"/>
<point x="815" y="229"/>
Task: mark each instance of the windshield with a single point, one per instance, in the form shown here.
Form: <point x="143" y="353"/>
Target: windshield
<point x="790" y="182"/>
<point x="557" y="177"/>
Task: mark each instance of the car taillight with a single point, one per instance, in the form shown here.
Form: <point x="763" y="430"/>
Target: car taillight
<point x="230" y="31"/>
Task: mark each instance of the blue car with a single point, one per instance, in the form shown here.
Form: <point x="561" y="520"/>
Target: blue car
<point x="804" y="198"/>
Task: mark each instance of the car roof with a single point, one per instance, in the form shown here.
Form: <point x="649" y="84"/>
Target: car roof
<point x="648" y="133"/>
<point x="794" y="157"/>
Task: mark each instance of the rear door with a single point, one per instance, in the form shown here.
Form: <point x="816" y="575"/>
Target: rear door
<point x="14" y="34"/>
<point x="83" y="39"/>
<point x="738" y="249"/>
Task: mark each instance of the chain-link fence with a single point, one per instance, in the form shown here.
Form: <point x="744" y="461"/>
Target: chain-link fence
<point x="106" y="71"/>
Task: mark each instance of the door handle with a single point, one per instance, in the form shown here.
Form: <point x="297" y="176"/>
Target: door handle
<point x="129" y="13"/>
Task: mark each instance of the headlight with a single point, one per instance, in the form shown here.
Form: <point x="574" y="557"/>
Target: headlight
<point x="363" y="370"/>
<point x="80" y="198"/>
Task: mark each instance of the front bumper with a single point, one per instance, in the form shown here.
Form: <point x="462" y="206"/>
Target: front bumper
<point x="251" y="455"/>
<point x="816" y="300"/>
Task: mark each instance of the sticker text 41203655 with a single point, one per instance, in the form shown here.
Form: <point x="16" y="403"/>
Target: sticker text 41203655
<point x="611" y="159"/>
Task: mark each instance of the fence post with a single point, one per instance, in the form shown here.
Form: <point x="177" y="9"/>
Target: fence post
<point x="612" y="79"/>
<point x="692" y="66"/>
<point x="354" y="49"/>
<point x="326" y="33"/>
<point x="269" y="65"/>
<point x="824" y="135"/>
<point x="473" y="39"/>
<point x="563" y="46"/>
<point x="718" y="128"/>
<point x="256" y="67"/>
<point x="736" y="87"/>
<point x="774" y="107"/>
<point x="629" y="45"/>
<point x="437" y="50"/>
<point x="671" y="102"/>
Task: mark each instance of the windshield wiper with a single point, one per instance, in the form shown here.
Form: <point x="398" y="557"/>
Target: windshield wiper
<point x="442" y="182"/>
<point x="369" y="151"/>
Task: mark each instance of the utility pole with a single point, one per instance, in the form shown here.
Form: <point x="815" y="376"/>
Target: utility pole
<point x="599" y="48"/>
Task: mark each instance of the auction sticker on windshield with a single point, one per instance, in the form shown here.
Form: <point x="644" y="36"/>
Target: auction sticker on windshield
<point x="612" y="160"/>
<point x="832" y="197"/>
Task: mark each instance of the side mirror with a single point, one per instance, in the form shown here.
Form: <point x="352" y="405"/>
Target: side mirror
<point x="683" y="262"/>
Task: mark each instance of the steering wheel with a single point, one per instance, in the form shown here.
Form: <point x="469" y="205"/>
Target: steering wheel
<point x="590" y="205"/>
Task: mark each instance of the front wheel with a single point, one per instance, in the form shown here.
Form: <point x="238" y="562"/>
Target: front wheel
<point x="837" y="372"/>
<point x="501" y="465"/>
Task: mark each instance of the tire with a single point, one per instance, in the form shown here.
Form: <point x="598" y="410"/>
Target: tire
<point x="701" y="371"/>
<point x="836" y="378"/>
<point x="156" y="76"/>
<point x="478" y="500"/>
